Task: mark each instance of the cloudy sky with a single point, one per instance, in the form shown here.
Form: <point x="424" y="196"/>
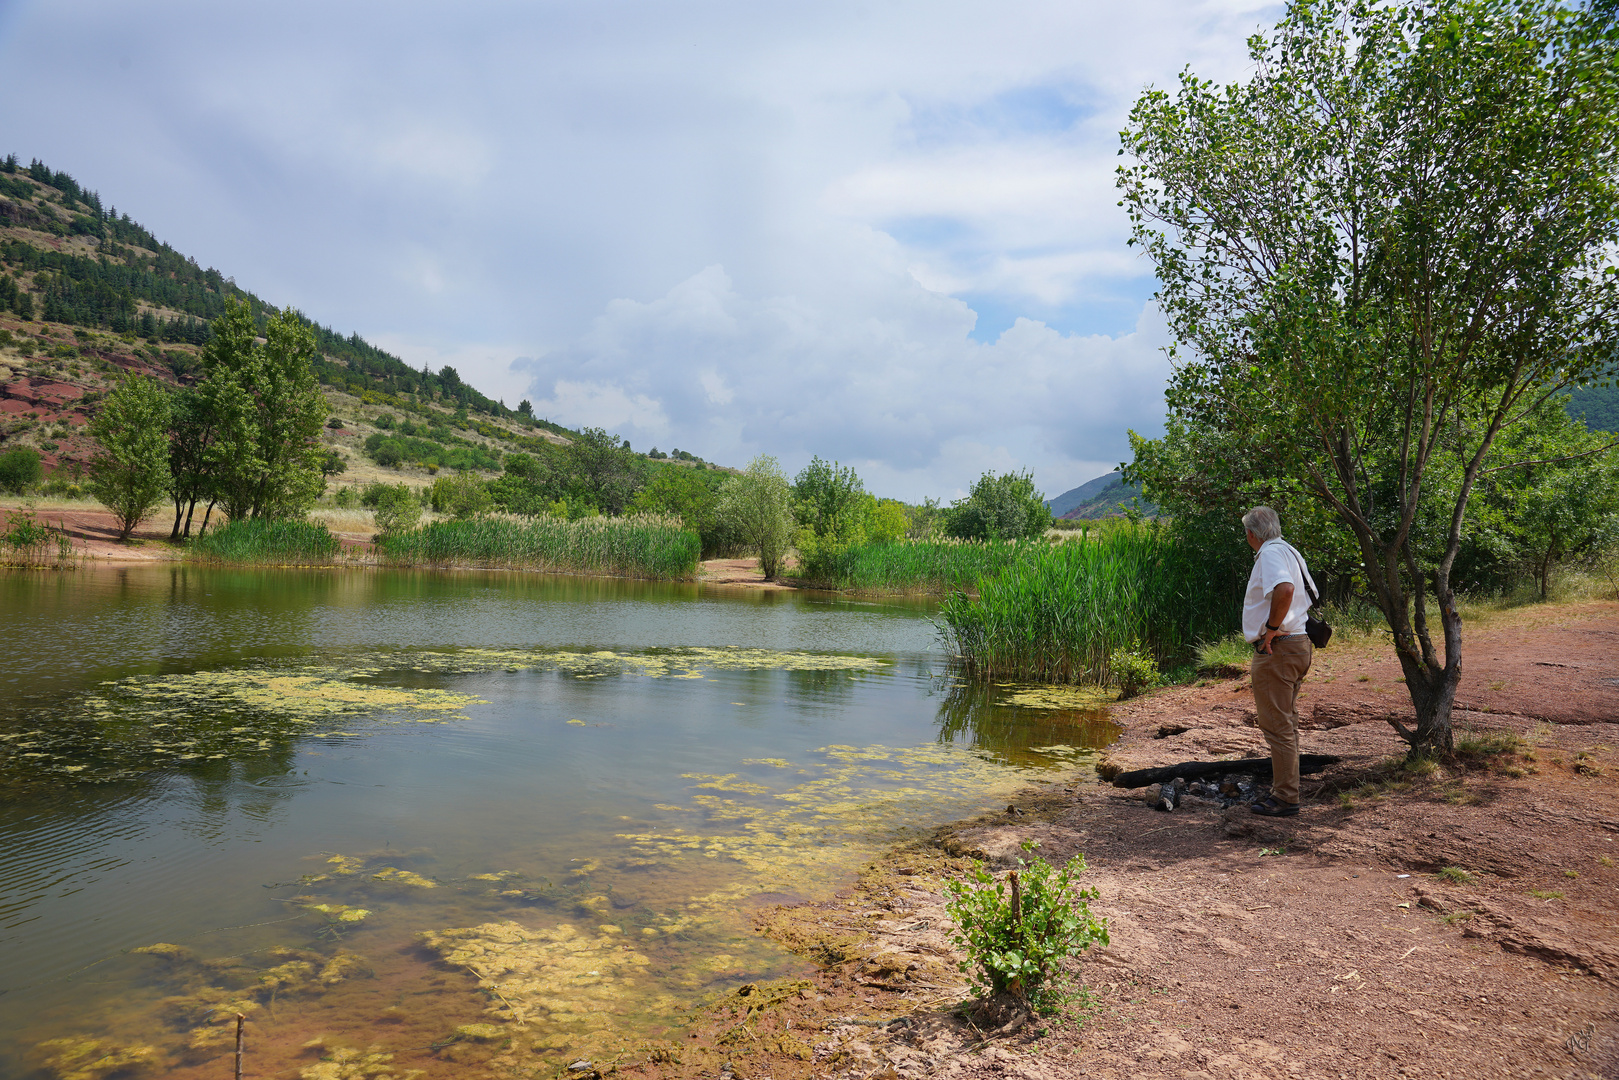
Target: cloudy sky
<point x="885" y="233"/>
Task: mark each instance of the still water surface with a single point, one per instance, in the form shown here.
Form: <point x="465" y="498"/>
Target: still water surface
<point x="371" y="808"/>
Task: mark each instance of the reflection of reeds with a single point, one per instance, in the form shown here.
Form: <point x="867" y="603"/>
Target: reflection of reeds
<point x="642" y="546"/>
<point x="972" y="714"/>
<point x="267" y="542"/>
<point x="1059" y="613"/>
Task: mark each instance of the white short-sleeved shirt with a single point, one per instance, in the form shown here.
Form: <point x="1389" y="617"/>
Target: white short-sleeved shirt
<point x="1276" y="562"/>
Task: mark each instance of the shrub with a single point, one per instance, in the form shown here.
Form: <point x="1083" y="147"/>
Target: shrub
<point x="395" y="508"/>
<point x="19" y="468"/>
<point x="999" y="508"/>
<point x="460" y="496"/>
<point x="1133" y="671"/>
<point x="1016" y="929"/>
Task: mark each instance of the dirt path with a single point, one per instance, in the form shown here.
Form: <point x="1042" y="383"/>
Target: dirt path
<point x="1318" y="947"/>
<point x="743" y="573"/>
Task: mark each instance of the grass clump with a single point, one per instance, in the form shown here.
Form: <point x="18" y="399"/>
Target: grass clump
<point x="645" y="546"/>
<point x="1061" y="613"/>
<point x="1545" y="894"/>
<point x="267" y="542"/>
<point x="1455" y="875"/>
<point x="1015" y="930"/>
<point x="1227" y="658"/>
<point x="1476" y="745"/>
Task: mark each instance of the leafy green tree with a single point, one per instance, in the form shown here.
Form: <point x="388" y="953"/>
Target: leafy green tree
<point x="886" y="521"/>
<point x="692" y="495"/>
<point x="1550" y="493"/>
<point x="1005" y="507"/>
<point x="19" y="469"/>
<point x="1379" y="252"/>
<point x="130" y="471"/>
<point x="394" y="507"/>
<point x="757" y="503"/>
<point x="192" y="433"/>
<point x="269" y="411"/>
<point x="828" y="498"/>
<point x="461" y="497"/>
<point x="603" y="470"/>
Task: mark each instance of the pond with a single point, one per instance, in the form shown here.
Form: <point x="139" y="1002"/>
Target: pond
<point x="391" y="813"/>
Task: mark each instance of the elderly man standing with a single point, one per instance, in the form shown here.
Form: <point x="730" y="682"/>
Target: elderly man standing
<point x="1273" y="614"/>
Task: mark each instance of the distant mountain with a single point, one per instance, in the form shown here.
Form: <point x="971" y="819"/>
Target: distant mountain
<point x="1097" y="498"/>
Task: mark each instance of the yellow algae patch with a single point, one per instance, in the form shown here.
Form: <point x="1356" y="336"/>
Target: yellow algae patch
<point x="1061" y="697"/>
<point x="302" y="697"/>
<point x="556" y="974"/>
<point x="672" y="663"/>
<point x="396" y="876"/>
<point x="728" y="782"/>
<point x="341" y="912"/>
<point x="845" y="811"/>
<point x="92" y="1059"/>
<point x="346" y="864"/>
<point x="347" y="1063"/>
<point x="773" y="762"/>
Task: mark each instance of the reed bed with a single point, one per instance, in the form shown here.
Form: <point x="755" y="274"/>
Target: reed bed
<point x="926" y="565"/>
<point x="267" y="542"/>
<point x="1059" y="613"/>
<point x="644" y="546"/>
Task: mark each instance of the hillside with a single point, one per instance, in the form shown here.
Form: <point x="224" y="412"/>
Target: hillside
<point x="87" y="294"/>
<point x="1598" y="405"/>
<point x="1097" y="498"/>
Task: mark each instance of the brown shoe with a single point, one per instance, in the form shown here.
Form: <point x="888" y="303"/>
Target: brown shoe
<point x="1269" y="807"/>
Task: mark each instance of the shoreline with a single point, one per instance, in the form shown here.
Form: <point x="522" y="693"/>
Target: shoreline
<point x="1320" y="946"/>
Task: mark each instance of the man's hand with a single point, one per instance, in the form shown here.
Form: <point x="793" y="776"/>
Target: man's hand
<point x="1281" y="601"/>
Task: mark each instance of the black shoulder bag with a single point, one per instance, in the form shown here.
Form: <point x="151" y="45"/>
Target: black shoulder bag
<point x="1317" y="631"/>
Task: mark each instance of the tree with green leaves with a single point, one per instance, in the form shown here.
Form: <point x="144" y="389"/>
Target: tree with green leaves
<point x="757" y="503"/>
<point x="1005" y="507"/>
<point x="129" y="473"/>
<point x="19" y="469"/>
<point x="268" y="411"/>
<point x="1386" y="247"/>
<point x="604" y="470"/>
<point x="191" y="438"/>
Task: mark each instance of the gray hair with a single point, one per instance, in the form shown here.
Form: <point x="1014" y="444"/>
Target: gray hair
<point x="1263" y="523"/>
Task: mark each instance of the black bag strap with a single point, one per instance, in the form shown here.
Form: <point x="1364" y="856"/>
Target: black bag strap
<point x="1304" y="572"/>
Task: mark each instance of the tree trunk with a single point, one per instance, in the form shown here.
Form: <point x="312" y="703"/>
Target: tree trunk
<point x="174" y="533"/>
<point x="190" y="510"/>
<point x="203" y="528"/>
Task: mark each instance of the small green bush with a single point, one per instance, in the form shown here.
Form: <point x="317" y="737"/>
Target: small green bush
<point x="395" y="508"/>
<point x="1134" y="670"/>
<point x="1015" y="930"/>
<point x="19" y="468"/>
<point x="1455" y="875"/>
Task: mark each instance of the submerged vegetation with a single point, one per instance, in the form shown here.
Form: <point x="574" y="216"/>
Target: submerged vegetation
<point x="647" y="546"/>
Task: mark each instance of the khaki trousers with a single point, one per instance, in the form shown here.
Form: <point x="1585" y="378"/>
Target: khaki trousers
<point x="1276" y="677"/>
